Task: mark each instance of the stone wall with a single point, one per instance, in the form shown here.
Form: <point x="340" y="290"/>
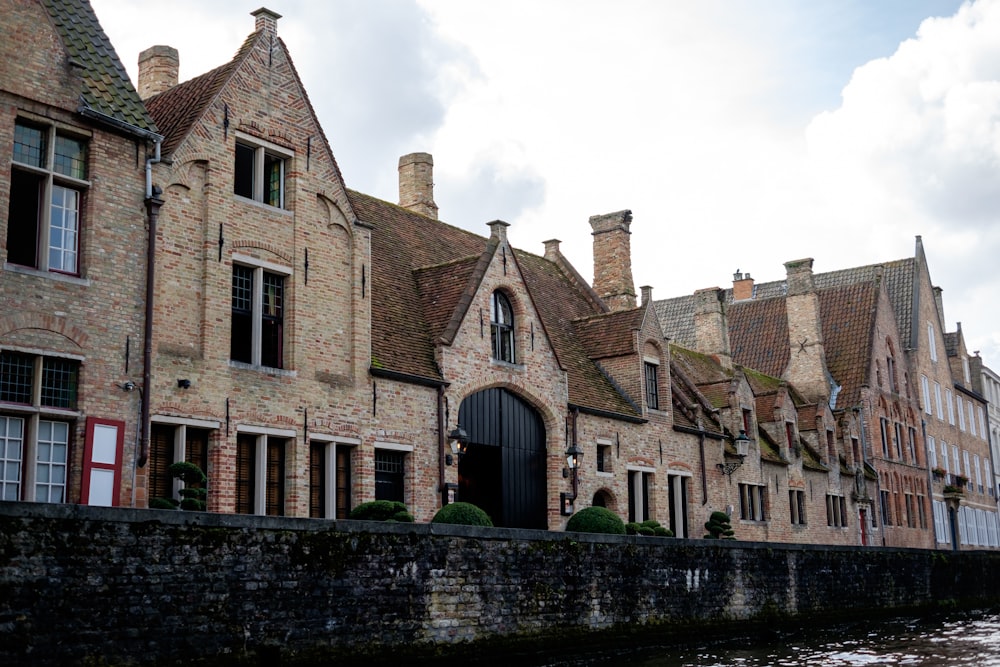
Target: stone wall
<point x="113" y="586"/>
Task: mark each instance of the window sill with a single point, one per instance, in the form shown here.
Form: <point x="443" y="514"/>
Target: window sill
<point x="260" y="204"/>
<point x="51" y="275"/>
<point x="605" y="473"/>
<point x="267" y="370"/>
<point x="507" y="365"/>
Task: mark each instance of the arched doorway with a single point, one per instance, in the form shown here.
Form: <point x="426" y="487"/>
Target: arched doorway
<point x="503" y="469"/>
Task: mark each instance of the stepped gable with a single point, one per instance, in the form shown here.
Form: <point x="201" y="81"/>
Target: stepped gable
<point x="422" y="261"/>
<point x="107" y="89"/>
<point x="758" y="335"/>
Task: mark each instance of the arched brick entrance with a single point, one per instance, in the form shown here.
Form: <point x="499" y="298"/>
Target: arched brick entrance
<point x="503" y="470"/>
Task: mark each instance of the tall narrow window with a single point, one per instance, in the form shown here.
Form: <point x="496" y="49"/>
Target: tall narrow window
<point x="389" y="475"/>
<point x="677" y="490"/>
<point x="753" y="502"/>
<point x="257" y="327"/>
<point x="502" y="327"/>
<point x="797" y="507"/>
<point x="640" y="492"/>
<point x="48" y="175"/>
<point x="34" y="443"/>
<point x="931" y="341"/>
<point x="274" y="482"/>
<point x="652" y="382"/>
<point x="246" y="465"/>
<point x="925" y="393"/>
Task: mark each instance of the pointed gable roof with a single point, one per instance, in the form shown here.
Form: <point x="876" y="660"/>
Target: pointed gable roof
<point x="423" y="277"/>
<point x="758" y="335"/>
<point x="107" y="90"/>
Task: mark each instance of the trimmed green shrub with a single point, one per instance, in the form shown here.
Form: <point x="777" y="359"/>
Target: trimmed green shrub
<point x="596" y="520"/>
<point x="194" y="494"/>
<point x="718" y="527"/>
<point x="462" y="514"/>
<point x="648" y="527"/>
<point x="381" y="510"/>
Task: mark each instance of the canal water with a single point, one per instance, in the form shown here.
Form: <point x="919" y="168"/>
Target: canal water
<point x="971" y="639"/>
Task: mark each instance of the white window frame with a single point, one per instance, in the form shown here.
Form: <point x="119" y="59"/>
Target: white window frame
<point x="263" y="149"/>
<point x="950" y="400"/>
<point x="932" y="341"/>
<point x="180" y="438"/>
<point x="931" y="452"/>
<point x="926" y="391"/>
<point x="972" y="418"/>
<point x="51" y="180"/>
<point x="961" y="413"/>
<point x="259" y="267"/>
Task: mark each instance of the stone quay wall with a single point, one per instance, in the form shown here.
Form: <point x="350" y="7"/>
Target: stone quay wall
<point x="87" y="585"/>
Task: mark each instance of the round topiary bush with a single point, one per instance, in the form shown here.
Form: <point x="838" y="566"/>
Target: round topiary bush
<point x="462" y="514"/>
<point x="718" y="527"/>
<point x="381" y="510"/>
<point x="596" y="520"/>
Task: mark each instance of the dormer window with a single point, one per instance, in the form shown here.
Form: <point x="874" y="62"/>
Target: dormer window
<point x="502" y="327"/>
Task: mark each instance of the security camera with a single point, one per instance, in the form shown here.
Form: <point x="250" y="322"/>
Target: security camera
<point x="128" y="386"/>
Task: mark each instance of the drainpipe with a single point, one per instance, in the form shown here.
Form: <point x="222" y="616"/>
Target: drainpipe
<point x="441" y="445"/>
<point x="153" y="204"/>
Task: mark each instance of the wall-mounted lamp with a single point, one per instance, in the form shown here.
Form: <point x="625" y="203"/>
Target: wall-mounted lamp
<point x="184" y="384"/>
<point x="459" y="440"/>
<point x="127" y="386"/>
<point x="742" y="445"/>
<point x="573" y="456"/>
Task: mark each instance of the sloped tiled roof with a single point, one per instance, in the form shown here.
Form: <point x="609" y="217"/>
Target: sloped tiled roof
<point x="177" y="109"/>
<point x="609" y="334"/>
<point x="107" y="88"/>
<point x="677" y="320"/>
<point x="414" y="255"/>
<point x="847" y="313"/>
<point x="758" y="335"/>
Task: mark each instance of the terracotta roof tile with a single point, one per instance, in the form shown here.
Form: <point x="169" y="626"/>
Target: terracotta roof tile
<point x="758" y="335"/>
<point x="107" y="88"/>
<point x="847" y="313"/>
<point x="609" y="334"/>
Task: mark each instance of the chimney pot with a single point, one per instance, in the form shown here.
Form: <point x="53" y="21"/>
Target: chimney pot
<point x="742" y="286"/>
<point x="158" y="67"/>
<point x="498" y="230"/>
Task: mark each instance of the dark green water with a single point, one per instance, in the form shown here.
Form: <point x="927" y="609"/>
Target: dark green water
<point x="968" y="639"/>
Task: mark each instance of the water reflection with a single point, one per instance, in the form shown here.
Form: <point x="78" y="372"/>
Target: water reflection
<point x="972" y="639"/>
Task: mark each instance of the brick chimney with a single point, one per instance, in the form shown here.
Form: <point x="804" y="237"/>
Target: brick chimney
<point x="807" y="370"/>
<point x="416" y="184"/>
<point x="498" y="230"/>
<point x="552" y="251"/>
<point x="266" y="21"/>
<point x="742" y="286"/>
<point x="158" y="67"/>
<point x="711" y="328"/>
<point x="613" y="259"/>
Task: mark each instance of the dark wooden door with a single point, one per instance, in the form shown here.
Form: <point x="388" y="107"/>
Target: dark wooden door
<point x="504" y="469"/>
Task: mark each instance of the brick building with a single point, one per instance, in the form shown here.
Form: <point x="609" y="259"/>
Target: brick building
<point x="74" y="139"/>
<point x="872" y="347"/>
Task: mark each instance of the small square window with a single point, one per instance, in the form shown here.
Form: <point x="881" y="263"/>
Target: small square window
<point x="259" y="174"/>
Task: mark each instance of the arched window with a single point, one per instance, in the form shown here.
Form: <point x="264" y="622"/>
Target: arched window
<point x="502" y="327"/>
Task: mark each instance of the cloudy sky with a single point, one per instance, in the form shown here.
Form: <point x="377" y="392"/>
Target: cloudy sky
<point x="741" y="134"/>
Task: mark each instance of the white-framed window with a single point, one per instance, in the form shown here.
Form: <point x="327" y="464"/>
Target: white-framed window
<point x="47" y="184"/>
<point x="982" y="422"/>
<point x="945" y="460"/>
<point x="931" y="452"/>
<point x="330" y="473"/>
<point x="941" y="531"/>
<point x="978" y="471"/>
<point x="37" y="411"/>
<point x="502" y="328"/>
<point x="961" y="413"/>
<point x="172" y="440"/>
<point x="259" y="170"/>
<point x="753" y="502"/>
<point x="261" y="454"/>
<point x="836" y="511"/>
<point x="640" y="494"/>
<point x="652" y="373"/>
<point x="931" y="341"/>
<point x="926" y="393"/>
<point x="972" y="418"/>
<point x="937" y="401"/>
<point x="968" y="467"/>
<point x="950" y="400"/>
<point x="258" y="313"/>
<point x="956" y="461"/>
<point x="965" y="371"/>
